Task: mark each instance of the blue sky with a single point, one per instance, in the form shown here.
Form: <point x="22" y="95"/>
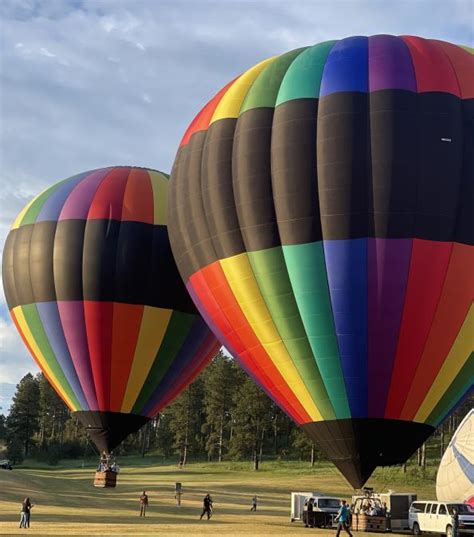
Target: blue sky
<point x="86" y="84"/>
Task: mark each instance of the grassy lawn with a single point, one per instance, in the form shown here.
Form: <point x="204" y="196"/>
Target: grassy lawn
<point x="66" y="503"/>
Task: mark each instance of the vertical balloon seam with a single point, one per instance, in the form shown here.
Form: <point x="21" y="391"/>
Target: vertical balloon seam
<point x="405" y="412"/>
<point x="410" y="387"/>
<point x="357" y="410"/>
<point x="95" y="403"/>
<point x="210" y="292"/>
<point x="17" y="313"/>
<point x="55" y="208"/>
<point x="56" y="324"/>
<point x="388" y="243"/>
<point x="326" y="412"/>
<point x="244" y="260"/>
<point x="414" y="242"/>
<point x="129" y="398"/>
<point x="117" y="391"/>
<point x="136" y="355"/>
<point x="260" y="257"/>
<point x="103" y="399"/>
<point x="216" y="114"/>
<point x="392" y="386"/>
<point x="115" y="305"/>
<point x="281" y="100"/>
<point x="420" y="412"/>
<point x="30" y="311"/>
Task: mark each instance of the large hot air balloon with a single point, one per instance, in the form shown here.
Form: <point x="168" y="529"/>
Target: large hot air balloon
<point x="322" y="208"/>
<point x="455" y="478"/>
<point x="93" y="289"/>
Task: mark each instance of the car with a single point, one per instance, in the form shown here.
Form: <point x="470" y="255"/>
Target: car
<point x="435" y="517"/>
<point x="6" y="465"/>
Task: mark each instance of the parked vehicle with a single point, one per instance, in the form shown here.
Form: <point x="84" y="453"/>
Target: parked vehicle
<point x="396" y="503"/>
<point x="435" y="517"/>
<point x="325" y="508"/>
<point x="6" y="465"/>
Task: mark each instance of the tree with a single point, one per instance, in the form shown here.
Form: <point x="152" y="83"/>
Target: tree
<point x="304" y="447"/>
<point x="3" y="427"/>
<point x="186" y="417"/>
<point x="220" y="380"/>
<point x="252" y="420"/>
<point x="53" y="413"/>
<point x="23" y="420"/>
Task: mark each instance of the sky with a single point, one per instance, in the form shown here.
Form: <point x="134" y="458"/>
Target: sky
<point x="88" y="84"/>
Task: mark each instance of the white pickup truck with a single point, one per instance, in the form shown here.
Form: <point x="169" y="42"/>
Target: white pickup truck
<point x="435" y="517"/>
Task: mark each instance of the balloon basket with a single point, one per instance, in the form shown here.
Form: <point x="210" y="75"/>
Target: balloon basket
<point x="106" y="479"/>
<point x="362" y="522"/>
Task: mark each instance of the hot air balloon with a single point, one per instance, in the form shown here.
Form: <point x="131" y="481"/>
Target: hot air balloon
<point x="455" y="478"/>
<point x="322" y="210"/>
<point x="93" y="289"/>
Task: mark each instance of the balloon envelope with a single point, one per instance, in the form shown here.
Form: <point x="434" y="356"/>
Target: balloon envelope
<point x="92" y="287"/>
<point x="455" y="478"/>
<point x="322" y="220"/>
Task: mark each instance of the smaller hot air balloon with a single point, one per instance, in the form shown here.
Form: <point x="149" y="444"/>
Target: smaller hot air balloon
<point x="93" y="289"/>
<point x="455" y="479"/>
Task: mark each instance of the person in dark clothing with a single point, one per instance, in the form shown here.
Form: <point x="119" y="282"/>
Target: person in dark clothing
<point x="254" y="504"/>
<point x="143" y="503"/>
<point x="455" y="523"/>
<point x="25" y="513"/>
<point x="206" y="507"/>
<point x="343" y="519"/>
<point x="310" y="513"/>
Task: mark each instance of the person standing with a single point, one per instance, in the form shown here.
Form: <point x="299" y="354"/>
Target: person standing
<point x="342" y="519"/>
<point x="310" y="513"/>
<point x="25" y="513"/>
<point x="455" y="523"/>
<point x="143" y="503"/>
<point x="254" y="503"/>
<point x="206" y="506"/>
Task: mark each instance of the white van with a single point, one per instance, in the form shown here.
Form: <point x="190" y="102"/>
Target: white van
<point x="325" y="508"/>
<point x="435" y="517"/>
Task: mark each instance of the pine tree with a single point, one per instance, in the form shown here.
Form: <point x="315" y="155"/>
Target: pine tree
<point x="186" y="417"/>
<point x="3" y="427"/>
<point x="252" y="420"/>
<point x="53" y="413"/>
<point x="220" y="381"/>
<point x="23" y="420"/>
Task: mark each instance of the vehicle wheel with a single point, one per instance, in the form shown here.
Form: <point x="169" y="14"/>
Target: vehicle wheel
<point x="449" y="531"/>
<point x="416" y="529"/>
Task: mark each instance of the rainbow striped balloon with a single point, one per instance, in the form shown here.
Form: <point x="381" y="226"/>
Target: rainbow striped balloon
<point x="322" y="208"/>
<point x="94" y="291"/>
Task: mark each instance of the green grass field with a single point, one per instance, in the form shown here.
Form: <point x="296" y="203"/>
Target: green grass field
<point x="66" y="503"/>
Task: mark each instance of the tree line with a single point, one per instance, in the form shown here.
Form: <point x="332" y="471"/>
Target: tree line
<point x="222" y="415"/>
